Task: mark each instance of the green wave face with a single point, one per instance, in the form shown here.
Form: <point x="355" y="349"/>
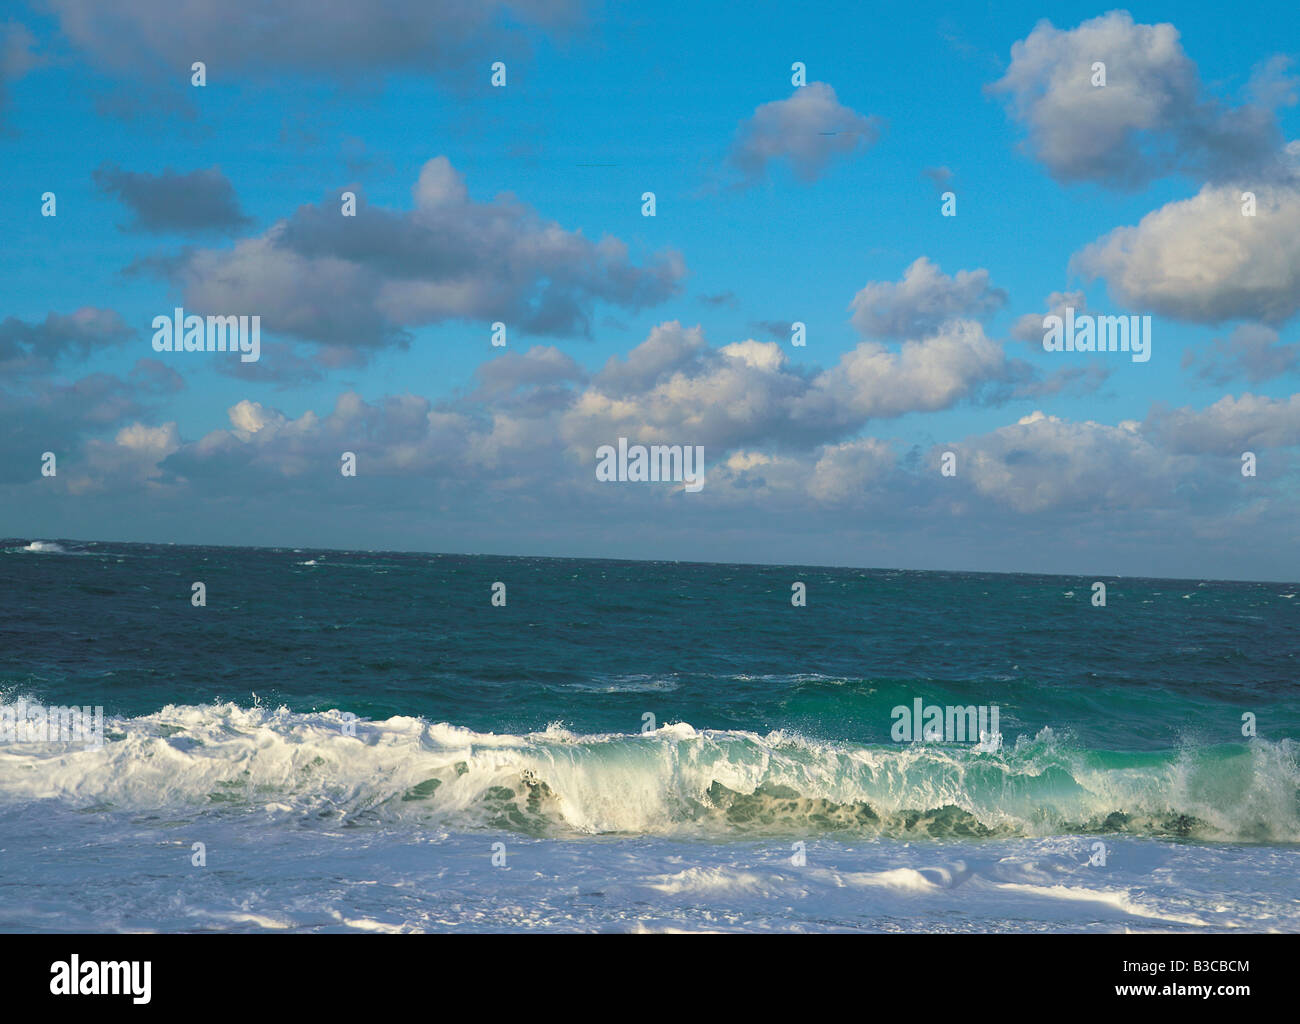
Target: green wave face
<point x="224" y="759"/>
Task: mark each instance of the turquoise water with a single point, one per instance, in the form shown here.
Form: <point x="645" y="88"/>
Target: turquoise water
<point x="363" y="740"/>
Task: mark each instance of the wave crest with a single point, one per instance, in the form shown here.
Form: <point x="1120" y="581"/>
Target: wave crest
<point x="676" y="780"/>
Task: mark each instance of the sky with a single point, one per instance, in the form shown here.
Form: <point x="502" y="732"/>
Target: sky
<point x="921" y="193"/>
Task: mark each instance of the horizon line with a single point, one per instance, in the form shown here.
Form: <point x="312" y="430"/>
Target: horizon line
<point x="649" y="561"/>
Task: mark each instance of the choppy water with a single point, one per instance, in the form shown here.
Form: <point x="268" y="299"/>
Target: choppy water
<point x="644" y="745"/>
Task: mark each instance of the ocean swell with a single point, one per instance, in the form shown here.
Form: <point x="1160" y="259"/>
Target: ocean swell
<point x="189" y="761"/>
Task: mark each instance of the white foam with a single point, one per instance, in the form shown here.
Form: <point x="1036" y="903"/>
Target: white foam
<point x="44" y="547"/>
<point x="675" y="780"/>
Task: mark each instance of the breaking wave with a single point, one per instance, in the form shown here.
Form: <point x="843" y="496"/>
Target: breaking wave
<point x="676" y="780"/>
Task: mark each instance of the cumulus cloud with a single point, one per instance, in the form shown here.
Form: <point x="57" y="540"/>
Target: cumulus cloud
<point x="841" y="472"/>
<point x="160" y="440"/>
<point x="285" y="365"/>
<point x="926" y="374"/>
<point x="674" y="388"/>
<point x="396" y="438"/>
<point x="154" y="377"/>
<point x="1202" y="261"/>
<point x="1230" y="426"/>
<point x="807" y="131"/>
<point x="36" y="347"/>
<point x="1178" y="462"/>
<point x="1042" y="462"/>
<point x="1178" y="469"/>
<point x="747" y="393"/>
<point x="308" y="36"/>
<point x="201" y="200"/>
<point x="1069" y="380"/>
<point x="362" y="281"/>
<point x="1152" y="117"/>
<point x="534" y="381"/>
<point x="52" y="414"/>
<point x="1252" y="351"/>
<point x="1030" y="326"/>
<point x="778" y="438"/>
<point x="668" y="348"/>
<point x="43" y="410"/>
<point x="132" y="458"/>
<point x="536" y="417"/>
<point x="923" y="300"/>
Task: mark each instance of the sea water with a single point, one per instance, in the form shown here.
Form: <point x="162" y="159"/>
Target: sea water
<point x="366" y="741"/>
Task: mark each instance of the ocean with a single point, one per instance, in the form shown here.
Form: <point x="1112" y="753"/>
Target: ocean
<point x="368" y="741"/>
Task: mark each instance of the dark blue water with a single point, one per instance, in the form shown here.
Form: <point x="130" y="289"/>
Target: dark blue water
<point x="596" y="644"/>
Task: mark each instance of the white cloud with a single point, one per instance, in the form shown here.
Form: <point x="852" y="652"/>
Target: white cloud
<point x="1030" y="326"/>
<point x="844" y="472"/>
<point x="807" y="131"/>
<point x="1152" y="117"/>
<point x="250" y="417"/>
<point x="747" y="392"/>
<point x="923" y="300"/>
<point x="1044" y="462"/>
<point x="1230" y="426"/>
<point x="1252" y="351"/>
<point x="362" y="281"/>
<point x="157" y="441"/>
<point x="873" y="381"/>
<point x="1201" y="260"/>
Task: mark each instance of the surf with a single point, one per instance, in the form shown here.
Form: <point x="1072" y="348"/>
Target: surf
<point x="679" y="781"/>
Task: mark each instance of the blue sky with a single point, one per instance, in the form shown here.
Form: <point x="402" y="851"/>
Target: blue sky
<point x="1067" y="462"/>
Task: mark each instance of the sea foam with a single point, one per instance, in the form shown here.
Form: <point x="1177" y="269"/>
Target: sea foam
<point x="673" y="781"/>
